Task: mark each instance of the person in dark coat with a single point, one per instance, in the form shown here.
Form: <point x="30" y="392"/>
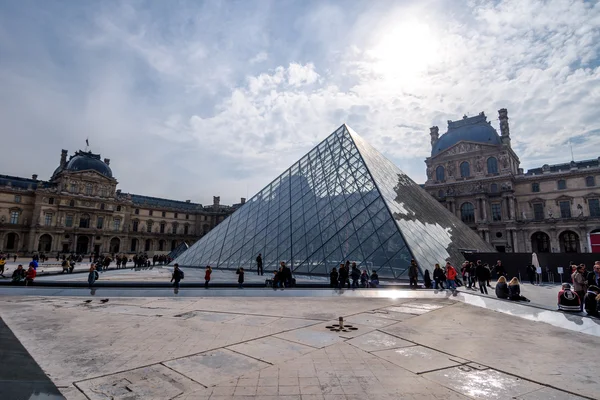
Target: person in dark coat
<point x="499" y="268"/>
<point x="591" y="279"/>
<point x="18" y="275"/>
<point x="483" y="274"/>
<point x="343" y="277"/>
<point x="374" y="280"/>
<point x="427" y="279"/>
<point x="514" y="291"/>
<point x="502" y="288"/>
<point x="438" y="277"/>
<point x="333" y="278"/>
<point x="355" y="274"/>
<point x="531" y="273"/>
<point x="177" y="275"/>
<point x="413" y="274"/>
<point x="240" y="273"/>
<point x="259" y="265"/>
<point x="591" y="301"/>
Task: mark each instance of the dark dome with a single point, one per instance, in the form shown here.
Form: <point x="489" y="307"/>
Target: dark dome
<point x="474" y="129"/>
<point x="83" y="161"/>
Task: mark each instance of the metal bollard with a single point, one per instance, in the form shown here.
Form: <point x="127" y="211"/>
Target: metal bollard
<point x="341" y="319"/>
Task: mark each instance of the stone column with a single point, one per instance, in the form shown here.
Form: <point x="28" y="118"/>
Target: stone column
<point x="511" y="208"/>
<point x="484" y="207"/>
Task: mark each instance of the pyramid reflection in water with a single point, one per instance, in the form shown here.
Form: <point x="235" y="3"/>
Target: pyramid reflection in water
<point x="342" y="201"/>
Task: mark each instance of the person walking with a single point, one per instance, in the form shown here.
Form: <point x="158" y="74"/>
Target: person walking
<point x="438" y="277"/>
<point x="450" y="276"/>
<point x="333" y="278"/>
<point x="92" y="275"/>
<point x="240" y="272"/>
<point x="499" y="268"/>
<point x="259" y="264"/>
<point x="207" y="276"/>
<point x="342" y="276"/>
<point x="177" y="276"/>
<point x="579" y="283"/>
<point x="465" y="270"/>
<point x="413" y="274"/>
<point x="531" y="273"/>
<point x="482" y="274"/>
<point x="355" y="274"/>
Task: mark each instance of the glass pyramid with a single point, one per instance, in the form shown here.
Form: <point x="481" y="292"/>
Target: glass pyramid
<point x="342" y="201"/>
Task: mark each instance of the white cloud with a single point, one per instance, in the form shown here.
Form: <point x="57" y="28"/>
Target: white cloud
<point x="212" y="108"/>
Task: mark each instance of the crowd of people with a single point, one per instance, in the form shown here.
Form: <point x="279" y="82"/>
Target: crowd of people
<point x="350" y="272"/>
<point x="584" y="294"/>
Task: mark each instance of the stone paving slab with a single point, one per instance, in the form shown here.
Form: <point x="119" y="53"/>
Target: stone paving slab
<point x="485" y="385"/>
<point x="155" y="382"/>
<point x="417" y="359"/>
<point x="374" y="341"/>
<point x="215" y="366"/>
<point x="314" y="336"/>
<point x="373" y="320"/>
<point x="547" y="393"/>
<point x="272" y="350"/>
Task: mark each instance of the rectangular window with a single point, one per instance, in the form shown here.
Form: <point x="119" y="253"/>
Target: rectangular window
<point x="14" y="217"/>
<point x="538" y="211"/>
<point x="149" y="228"/>
<point x="150" y="212"/>
<point x="137" y="211"/>
<point x="135" y="226"/>
<point x="48" y="219"/>
<point x="51" y="200"/>
<point x="562" y="184"/>
<point x="69" y="221"/>
<point x="73" y="188"/>
<point x="535" y="187"/>
<point x="117" y="225"/>
<point x="118" y="208"/>
<point x="565" y="209"/>
<point x="99" y="222"/>
<point x="103" y="192"/>
<point x="590" y="181"/>
<point x="162" y="228"/>
<point x="187" y="216"/>
<point x="496" y="212"/>
<point x="88" y="190"/>
<point x="17" y="198"/>
<point x="175" y="215"/>
<point x="594" y="205"/>
<point x="186" y="230"/>
<point x="164" y="214"/>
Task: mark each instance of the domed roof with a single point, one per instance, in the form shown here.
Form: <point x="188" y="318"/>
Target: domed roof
<point x="473" y="129"/>
<point x="83" y="161"/>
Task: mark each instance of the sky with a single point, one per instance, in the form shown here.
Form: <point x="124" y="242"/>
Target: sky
<point x="195" y="99"/>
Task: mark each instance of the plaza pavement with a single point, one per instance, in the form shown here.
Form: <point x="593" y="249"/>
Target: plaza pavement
<point x="265" y="344"/>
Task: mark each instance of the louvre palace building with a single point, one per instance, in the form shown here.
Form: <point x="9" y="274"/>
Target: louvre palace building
<point x="474" y="172"/>
<point x="80" y="210"/>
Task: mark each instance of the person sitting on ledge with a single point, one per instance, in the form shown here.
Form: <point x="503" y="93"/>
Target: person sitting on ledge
<point x="333" y="278"/>
<point x="591" y="301"/>
<point x="18" y="275"/>
<point x="568" y="300"/>
<point x="374" y="279"/>
<point x="364" y="279"/>
<point x="514" y="290"/>
<point x="502" y="288"/>
<point x="30" y="276"/>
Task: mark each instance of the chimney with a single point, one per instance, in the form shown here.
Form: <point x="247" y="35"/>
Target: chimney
<point x="63" y="158"/>
<point x="216" y="201"/>
<point x="504" y="129"/>
<point x="434" y="132"/>
<point x="107" y="161"/>
<point x="34" y="177"/>
<point x="243" y="200"/>
<point x="188" y="201"/>
<point x="118" y="191"/>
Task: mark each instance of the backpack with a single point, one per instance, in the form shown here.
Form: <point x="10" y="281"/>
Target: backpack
<point x="180" y="274"/>
<point x="96" y="275"/>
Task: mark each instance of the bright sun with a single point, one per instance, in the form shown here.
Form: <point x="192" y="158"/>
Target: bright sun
<point x="404" y="51"/>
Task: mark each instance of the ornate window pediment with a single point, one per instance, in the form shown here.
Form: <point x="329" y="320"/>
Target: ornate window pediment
<point x="537" y="200"/>
<point x="591" y="196"/>
<point x="564" y="198"/>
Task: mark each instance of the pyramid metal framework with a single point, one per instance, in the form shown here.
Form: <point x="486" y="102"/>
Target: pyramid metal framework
<point x="342" y="201"/>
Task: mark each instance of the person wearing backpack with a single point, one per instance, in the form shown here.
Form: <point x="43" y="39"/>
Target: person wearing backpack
<point x="93" y="275"/>
<point x="177" y="275"/>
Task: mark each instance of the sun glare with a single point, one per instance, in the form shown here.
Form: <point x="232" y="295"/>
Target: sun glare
<point x="404" y="51"/>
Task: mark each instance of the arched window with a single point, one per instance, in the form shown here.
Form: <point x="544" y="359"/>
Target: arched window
<point x="465" y="169"/>
<point x="440" y="175"/>
<point x="134" y="243"/>
<point x="569" y="242"/>
<point x="540" y="243"/>
<point x="148" y="245"/>
<point x="467" y="213"/>
<point x="492" y="165"/>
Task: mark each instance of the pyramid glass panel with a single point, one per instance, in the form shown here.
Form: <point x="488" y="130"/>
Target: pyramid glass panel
<point x="342" y="201"/>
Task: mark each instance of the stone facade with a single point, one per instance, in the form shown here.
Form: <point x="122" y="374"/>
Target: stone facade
<point x="80" y="210"/>
<point x="475" y="173"/>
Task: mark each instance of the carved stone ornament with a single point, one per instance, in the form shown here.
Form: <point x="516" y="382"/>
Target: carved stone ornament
<point x="450" y="168"/>
<point x="463" y="148"/>
<point x="479" y="164"/>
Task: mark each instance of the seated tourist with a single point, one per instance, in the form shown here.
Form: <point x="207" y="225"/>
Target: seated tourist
<point x="30" y="275"/>
<point x="514" y="290"/>
<point x="568" y="300"/>
<point x="18" y="275"/>
<point x="591" y="302"/>
<point x="502" y="288"/>
<point x="374" y="279"/>
<point x="364" y="279"/>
